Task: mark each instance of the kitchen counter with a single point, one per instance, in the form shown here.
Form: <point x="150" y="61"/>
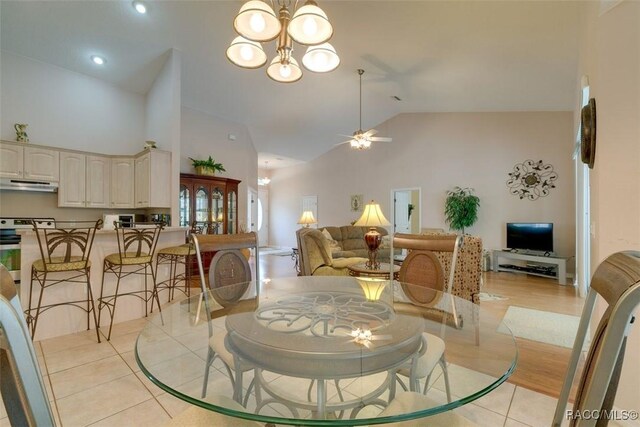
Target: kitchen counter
<point x="68" y="319"/>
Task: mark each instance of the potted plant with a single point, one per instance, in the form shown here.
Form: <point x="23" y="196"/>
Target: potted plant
<point x="461" y="208"/>
<point x="207" y="167"/>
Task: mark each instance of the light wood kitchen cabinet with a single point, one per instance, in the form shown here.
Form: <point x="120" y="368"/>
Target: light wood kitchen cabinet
<point x="84" y="180"/>
<point x="11" y="160"/>
<point x="30" y="163"/>
<point x="122" y="186"/>
<point x="98" y="181"/>
<point x="153" y="179"/>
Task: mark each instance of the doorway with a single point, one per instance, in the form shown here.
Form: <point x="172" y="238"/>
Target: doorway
<point x="406" y="213"/>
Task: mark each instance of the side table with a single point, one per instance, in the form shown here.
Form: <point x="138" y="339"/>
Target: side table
<point x="360" y="270"/>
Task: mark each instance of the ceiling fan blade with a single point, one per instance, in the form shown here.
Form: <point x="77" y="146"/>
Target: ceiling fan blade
<point x="344" y="142"/>
<point x="370" y="132"/>
<point x="380" y="139"/>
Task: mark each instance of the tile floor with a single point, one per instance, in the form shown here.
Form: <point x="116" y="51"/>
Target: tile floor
<point x="93" y="384"/>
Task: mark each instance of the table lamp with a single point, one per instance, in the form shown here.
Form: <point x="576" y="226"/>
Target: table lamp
<point x="307" y="219"/>
<point x="372" y="217"/>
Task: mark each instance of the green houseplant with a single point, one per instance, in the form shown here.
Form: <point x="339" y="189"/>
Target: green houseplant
<point x="461" y="208"/>
<point x="207" y="167"/>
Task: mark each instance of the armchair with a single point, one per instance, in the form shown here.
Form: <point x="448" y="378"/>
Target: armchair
<point x="315" y="255"/>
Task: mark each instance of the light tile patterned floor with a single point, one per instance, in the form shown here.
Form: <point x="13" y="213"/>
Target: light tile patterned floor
<point x="93" y="384"/>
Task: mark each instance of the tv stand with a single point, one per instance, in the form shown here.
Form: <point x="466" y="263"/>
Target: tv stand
<point x="543" y="268"/>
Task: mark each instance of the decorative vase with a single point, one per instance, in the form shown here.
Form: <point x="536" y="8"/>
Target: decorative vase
<point x="202" y="170"/>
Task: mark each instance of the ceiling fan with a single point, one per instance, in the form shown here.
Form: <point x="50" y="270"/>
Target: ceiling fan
<point x="361" y="140"/>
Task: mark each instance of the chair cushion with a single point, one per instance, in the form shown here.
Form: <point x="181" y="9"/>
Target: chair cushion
<point x="410" y="401"/>
<point x="57" y="264"/>
<point x="216" y="342"/>
<point x="428" y="361"/>
<point x="129" y="259"/>
<point x="182" y="250"/>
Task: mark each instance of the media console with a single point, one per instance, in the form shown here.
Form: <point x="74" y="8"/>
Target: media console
<point x="546" y="266"/>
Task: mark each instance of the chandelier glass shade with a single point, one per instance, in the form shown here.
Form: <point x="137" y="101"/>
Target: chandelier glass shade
<point x="257" y="22"/>
<point x="246" y="53"/>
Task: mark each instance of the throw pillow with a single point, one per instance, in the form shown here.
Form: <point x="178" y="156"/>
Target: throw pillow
<point x="333" y="244"/>
<point x="386" y="242"/>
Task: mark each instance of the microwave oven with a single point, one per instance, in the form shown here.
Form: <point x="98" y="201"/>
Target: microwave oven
<point x="127" y="220"/>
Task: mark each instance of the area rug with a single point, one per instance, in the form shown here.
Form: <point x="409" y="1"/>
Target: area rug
<point x="542" y="326"/>
<point x="485" y="296"/>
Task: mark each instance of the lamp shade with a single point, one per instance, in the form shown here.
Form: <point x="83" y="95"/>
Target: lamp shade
<point x="321" y="59"/>
<point x="307" y="218"/>
<point x="246" y="53"/>
<point x="284" y="73"/>
<point x="372" y="287"/>
<point x="310" y="25"/>
<point x="257" y="21"/>
<point x="372" y="216"/>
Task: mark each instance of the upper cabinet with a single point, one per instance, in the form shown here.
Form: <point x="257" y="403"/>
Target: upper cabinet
<point x="20" y="161"/>
<point x="122" y="183"/>
<point x="84" y="180"/>
<point x="153" y="179"/>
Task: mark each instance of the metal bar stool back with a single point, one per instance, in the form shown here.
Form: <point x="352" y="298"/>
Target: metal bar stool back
<point x="64" y="258"/>
<point x="136" y="247"/>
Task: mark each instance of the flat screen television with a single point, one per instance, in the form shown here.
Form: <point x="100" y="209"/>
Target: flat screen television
<point x="533" y="236"/>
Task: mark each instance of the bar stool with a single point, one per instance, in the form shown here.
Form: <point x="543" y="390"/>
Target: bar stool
<point x="63" y="249"/>
<point x="136" y="246"/>
<point x="175" y="256"/>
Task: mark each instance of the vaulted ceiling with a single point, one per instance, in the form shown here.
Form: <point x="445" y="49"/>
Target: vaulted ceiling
<point x="435" y="56"/>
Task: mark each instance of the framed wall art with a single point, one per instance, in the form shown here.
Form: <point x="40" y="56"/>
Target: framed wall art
<point x="356" y="202"/>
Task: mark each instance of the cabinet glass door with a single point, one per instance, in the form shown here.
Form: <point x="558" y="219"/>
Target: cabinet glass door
<point x="202" y="204"/>
<point x="217" y="211"/>
<point x="232" y="208"/>
<point x="185" y="206"/>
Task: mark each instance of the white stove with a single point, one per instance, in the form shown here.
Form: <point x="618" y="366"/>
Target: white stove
<point x="10" y="240"/>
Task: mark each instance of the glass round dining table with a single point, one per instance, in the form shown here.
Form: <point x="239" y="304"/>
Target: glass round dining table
<point x="325" y="350"/>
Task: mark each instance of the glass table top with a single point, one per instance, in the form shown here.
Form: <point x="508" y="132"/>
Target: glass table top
<point x="324" y="350"/>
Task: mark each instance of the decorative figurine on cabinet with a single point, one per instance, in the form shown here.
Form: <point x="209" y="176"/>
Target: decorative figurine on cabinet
<point x="21" y="132"/>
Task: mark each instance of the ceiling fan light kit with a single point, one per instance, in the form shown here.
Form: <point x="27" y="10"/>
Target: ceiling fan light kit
<point x="256" y="22"/>
<point x="362" y="140"/>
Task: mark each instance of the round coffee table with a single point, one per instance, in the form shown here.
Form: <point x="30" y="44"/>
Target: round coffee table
<point x="360" y="270"/>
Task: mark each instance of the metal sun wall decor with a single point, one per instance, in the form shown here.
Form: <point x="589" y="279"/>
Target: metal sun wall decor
<point x="531" y="180"/>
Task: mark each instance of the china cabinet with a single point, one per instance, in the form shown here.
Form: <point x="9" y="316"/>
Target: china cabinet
<point x="209" y="203"/>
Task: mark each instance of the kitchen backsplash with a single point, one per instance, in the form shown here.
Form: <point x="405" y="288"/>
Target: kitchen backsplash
<point x="32" y="204"/>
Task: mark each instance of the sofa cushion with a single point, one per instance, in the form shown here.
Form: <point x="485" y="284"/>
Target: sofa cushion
<point x="336" y="234"/>
<point x="353" y="237"/>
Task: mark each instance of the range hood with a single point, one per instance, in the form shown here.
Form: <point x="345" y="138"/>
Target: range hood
<point x="22" y="185"/>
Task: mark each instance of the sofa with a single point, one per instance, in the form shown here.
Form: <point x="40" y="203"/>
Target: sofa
<point x="316" y="258"/>
<point x="350" y="242"/>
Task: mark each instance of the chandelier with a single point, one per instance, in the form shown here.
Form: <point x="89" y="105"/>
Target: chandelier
<point x="256" y="22"/>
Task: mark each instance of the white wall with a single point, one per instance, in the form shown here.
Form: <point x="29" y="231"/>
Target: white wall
<point x="204" y="135"/>
<point x="162" y="120"/>
<point x="611" y="59"/>
<point x="68" y="109"/>
<point x="437" y="151"/>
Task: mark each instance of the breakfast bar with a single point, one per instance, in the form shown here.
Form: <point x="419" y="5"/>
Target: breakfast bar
<point x="67" y="319"/>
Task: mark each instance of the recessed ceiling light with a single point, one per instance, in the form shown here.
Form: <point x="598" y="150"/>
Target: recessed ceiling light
<point x="139" y="7"/>
<point x="98" y="60"/>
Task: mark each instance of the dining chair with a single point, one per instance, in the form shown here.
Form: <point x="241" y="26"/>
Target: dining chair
<point x="228" y="285"/>
<point x="136" y="247"/>
<point x="617" y="282"/>
<point x="64" y="258"/>
<point x="422" y="267"/>
<point x="22" y="388"/>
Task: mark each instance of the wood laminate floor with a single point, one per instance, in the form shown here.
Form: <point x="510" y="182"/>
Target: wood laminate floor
<point x="541" y="367"/>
